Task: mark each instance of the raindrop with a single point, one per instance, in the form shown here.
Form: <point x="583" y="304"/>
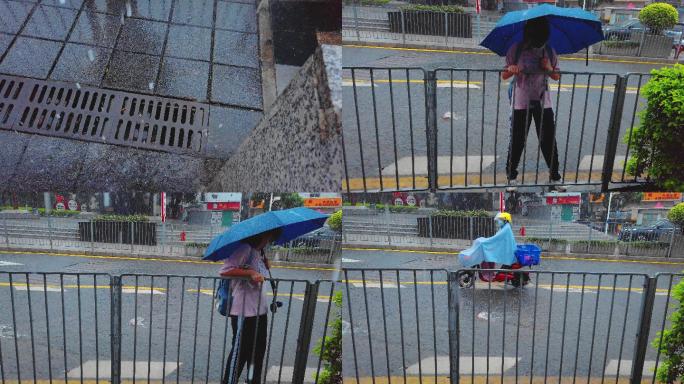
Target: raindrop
<point x="59" y="116"/>
<point x="78" y="85"/>
<point x="137" y="321"/>
<point x="91" y="55"/>
<point x="129" y="11"/>
<point x="483" y="316"/>
<point x="62" y="1"/>
<point x="122" y="19"/>
<point x="220" y="125"/>
<point x="104" y="138"/>
<point x="151" y="86"/>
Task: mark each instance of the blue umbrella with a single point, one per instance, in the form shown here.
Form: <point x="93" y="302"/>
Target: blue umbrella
<point x="293" y="222"/>
<point x="571" y="29"/>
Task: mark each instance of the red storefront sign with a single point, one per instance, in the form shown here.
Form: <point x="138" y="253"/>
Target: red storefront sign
<point x="562" y="200"/>
<point x="224" y="206"/>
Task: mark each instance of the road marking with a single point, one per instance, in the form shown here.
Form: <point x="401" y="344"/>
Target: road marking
<point x="142" y="291"/>
<point x="487" y="53"/>
<point x="8" y="264"/>
<point x="481" y="379"/>
<point x="345" y="260"/>
<point x="561" y="258"/>
<point x="35" y="287"/>
<point x="151" y="259"/>
<point x="376" y="284"/>
<point x="274" y="372"/>
<point x="93" y="369"/>
<point x="427" y="365"/>
<point x="298" y="296"/>
<point x="626" y="367"/>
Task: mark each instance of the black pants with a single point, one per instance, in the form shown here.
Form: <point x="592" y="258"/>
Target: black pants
<point x="546" y="132"/>
<point x="248" y="345"/>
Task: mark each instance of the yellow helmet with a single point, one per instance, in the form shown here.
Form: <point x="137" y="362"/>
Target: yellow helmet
<point x="504" y="216"/>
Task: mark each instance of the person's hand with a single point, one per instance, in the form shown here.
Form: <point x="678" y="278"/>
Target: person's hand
<point x="256" y="277"/>
<point x="546" y="64"/>
<point x="514" y="69"/>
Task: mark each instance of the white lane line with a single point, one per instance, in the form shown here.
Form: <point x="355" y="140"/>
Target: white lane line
<point x="36" y="287"/>
<point x="445" y="165"/>
<point x="8" y="264"/>
<point x="345" y="260"/>
<point x="376" y="284"/>
<point x="427" y="365"/>
<point x="142" y="291"/>
<point x="287" y="372"/>
<point x="102" y="369"/>
<point x="626" y="367"/>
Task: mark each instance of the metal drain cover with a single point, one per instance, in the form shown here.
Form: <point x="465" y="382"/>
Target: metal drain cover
<point x="102" y="115"/>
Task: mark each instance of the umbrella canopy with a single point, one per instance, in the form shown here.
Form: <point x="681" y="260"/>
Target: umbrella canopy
<point x="571" y="29"/>
<point x="293" y="222"/>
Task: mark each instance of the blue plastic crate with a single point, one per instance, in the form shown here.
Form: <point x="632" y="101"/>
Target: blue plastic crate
<point x="528" y="254"/>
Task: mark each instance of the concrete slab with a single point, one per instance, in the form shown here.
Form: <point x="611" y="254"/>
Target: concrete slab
<point x="183" y="78"/>
<point x="82" y="64"/>
<point x="49" y="161"/>
<point x="13" y="146"/>
<point x="427" y="365"/>
<point x="72" y="4"/>
<point x="132" y="71"/>
<point x="102" y="369"/>
<point x="236" y="86"/>
<point x="30" y="57"/>
<point x="5" y="41"/>
<point x="142" y="36"/>
<point x="194" y="12"/>
<point x="236" y="16"/>
<point x="228" y="127"/>
<point x="236" y="48"/>
<point x="189" y="42"/>
<point x="445" y="165"/>
<point x="49" y="22"/>
<point x="96" y="29"/>
<point x="150" y="9"/>
<point x="14" y="13"/>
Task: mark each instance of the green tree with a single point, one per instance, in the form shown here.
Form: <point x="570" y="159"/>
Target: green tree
<point x="670" y="342"/>
<point x="656" y="143"/>
<point x="330" y="349"/>
<point x="290" y="200"/>
<point x="335" y="221"/>
<point x="659" y="16"/>
<point x="676" y="215"/>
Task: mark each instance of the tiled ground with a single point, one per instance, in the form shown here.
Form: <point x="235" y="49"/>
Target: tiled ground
<point x="205" y="50"/>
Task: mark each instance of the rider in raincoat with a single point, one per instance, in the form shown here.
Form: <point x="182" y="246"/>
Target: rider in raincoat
<point x="499" y="248"/>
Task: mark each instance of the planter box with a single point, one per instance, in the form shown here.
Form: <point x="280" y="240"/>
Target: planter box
<point x="431" y="23"/>
<point x="119" y="232"/>
<point x="655" y="46"/>
<point x="594" y="249"/>
<point x="446" y="227"/>
<point x="652" y="250"/>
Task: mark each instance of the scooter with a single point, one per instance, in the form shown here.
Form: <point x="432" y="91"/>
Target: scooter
<point x="527" y="255"/>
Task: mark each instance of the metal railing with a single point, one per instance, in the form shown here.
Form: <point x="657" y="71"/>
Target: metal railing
<point x="561" y="326"/>
<point x="142" y="239"/>
<point x="414" y="129"/>
<point x="159" y="328"/>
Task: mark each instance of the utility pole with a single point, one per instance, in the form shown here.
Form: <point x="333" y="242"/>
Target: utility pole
<point x="47" y="203"/>
<point x="610" y="200"/>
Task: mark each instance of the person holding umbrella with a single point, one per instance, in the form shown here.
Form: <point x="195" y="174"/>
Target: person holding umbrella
<point x="249" y="300"/>
<point x="242" y="249"/>
<point x="530" y="98"/>
<point x="530" y="40"/>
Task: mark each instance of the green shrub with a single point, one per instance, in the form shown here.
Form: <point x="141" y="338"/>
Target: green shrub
<point x="434" y="8"/>
<point x="621" y="44"/>
<point x="330" y="349"/>
<point x="56" y="213"/>
<point x="128" y="218"/>
<point x="671" y="369"/>
<point x="335" y="221"/>
<point x="452" y="213"/>
<point x="368" y="2"/>
<point x="646" y="244"/>
<point x="676" y="214"/>
<point x="596" y="242"/>
<point x="403" y="208"/>
<point x="542" y="240"/>
<point x="196" y="245"/>
<point x="659" y="16"/>
<point x="656" y="144"/>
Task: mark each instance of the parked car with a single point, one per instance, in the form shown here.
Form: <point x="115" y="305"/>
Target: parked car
<point x="314" y="239"/>
<point x="653" y="232"/>
<point x="622" y="30"/>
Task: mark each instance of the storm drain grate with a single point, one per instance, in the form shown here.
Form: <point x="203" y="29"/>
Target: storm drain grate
<point x="102" y="115"/>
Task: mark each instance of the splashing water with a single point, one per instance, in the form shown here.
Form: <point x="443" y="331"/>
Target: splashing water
<point x="150" y="86"/>
<point x="91" y="55"/>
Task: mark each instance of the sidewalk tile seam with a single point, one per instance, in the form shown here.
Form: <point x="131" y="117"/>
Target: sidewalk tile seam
<point x="66" y="38"/>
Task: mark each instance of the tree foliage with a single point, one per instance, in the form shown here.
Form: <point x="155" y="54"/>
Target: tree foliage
<point x="335" y="221"/>
<point x="676" y="214"/>
<point x="670" y="342"/>
<point x="656" y="143"/>
<point x="659" y="16"/>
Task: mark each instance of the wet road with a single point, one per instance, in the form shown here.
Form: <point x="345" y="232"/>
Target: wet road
<point x="169" y="324"/>
<point x="581" y="324"/>
<point x="473" y="117"/>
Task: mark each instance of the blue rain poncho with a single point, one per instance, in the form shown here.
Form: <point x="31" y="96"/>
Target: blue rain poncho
<point x="499" y="249"/>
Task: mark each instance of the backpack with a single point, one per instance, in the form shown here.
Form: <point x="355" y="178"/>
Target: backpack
<point x="516" y="57"/>
<point x="224" y="296"/>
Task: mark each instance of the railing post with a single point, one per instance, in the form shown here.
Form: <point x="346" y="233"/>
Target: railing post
<point x="50" y="231"/>
<point x="613" y="131"/>
<point x="669" y="248"/>
<point x="387" y="225"/>
<point x="431" y="128"/>
<point x="131" y="234"/>
<point x="115" y="312"/>
<point x="446" y="29"/>
<point x="305" y="330"/>
<point x="403" y="27"/>
<point x="642" y="341"/>
<point x="430" y="228"/>
<point x="453" y="327"/>
<point x="356" y="21"/>
<point x="6" y="232"/>
<point x="92" y="237"/>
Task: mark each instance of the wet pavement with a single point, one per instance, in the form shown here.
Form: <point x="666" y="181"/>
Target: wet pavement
<point x="201" y="50"/>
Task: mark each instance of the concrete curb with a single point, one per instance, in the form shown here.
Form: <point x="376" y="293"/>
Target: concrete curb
<point x="156" y="257"/>
<point x="569" y="256"/>
<point x="483" y="51"/>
